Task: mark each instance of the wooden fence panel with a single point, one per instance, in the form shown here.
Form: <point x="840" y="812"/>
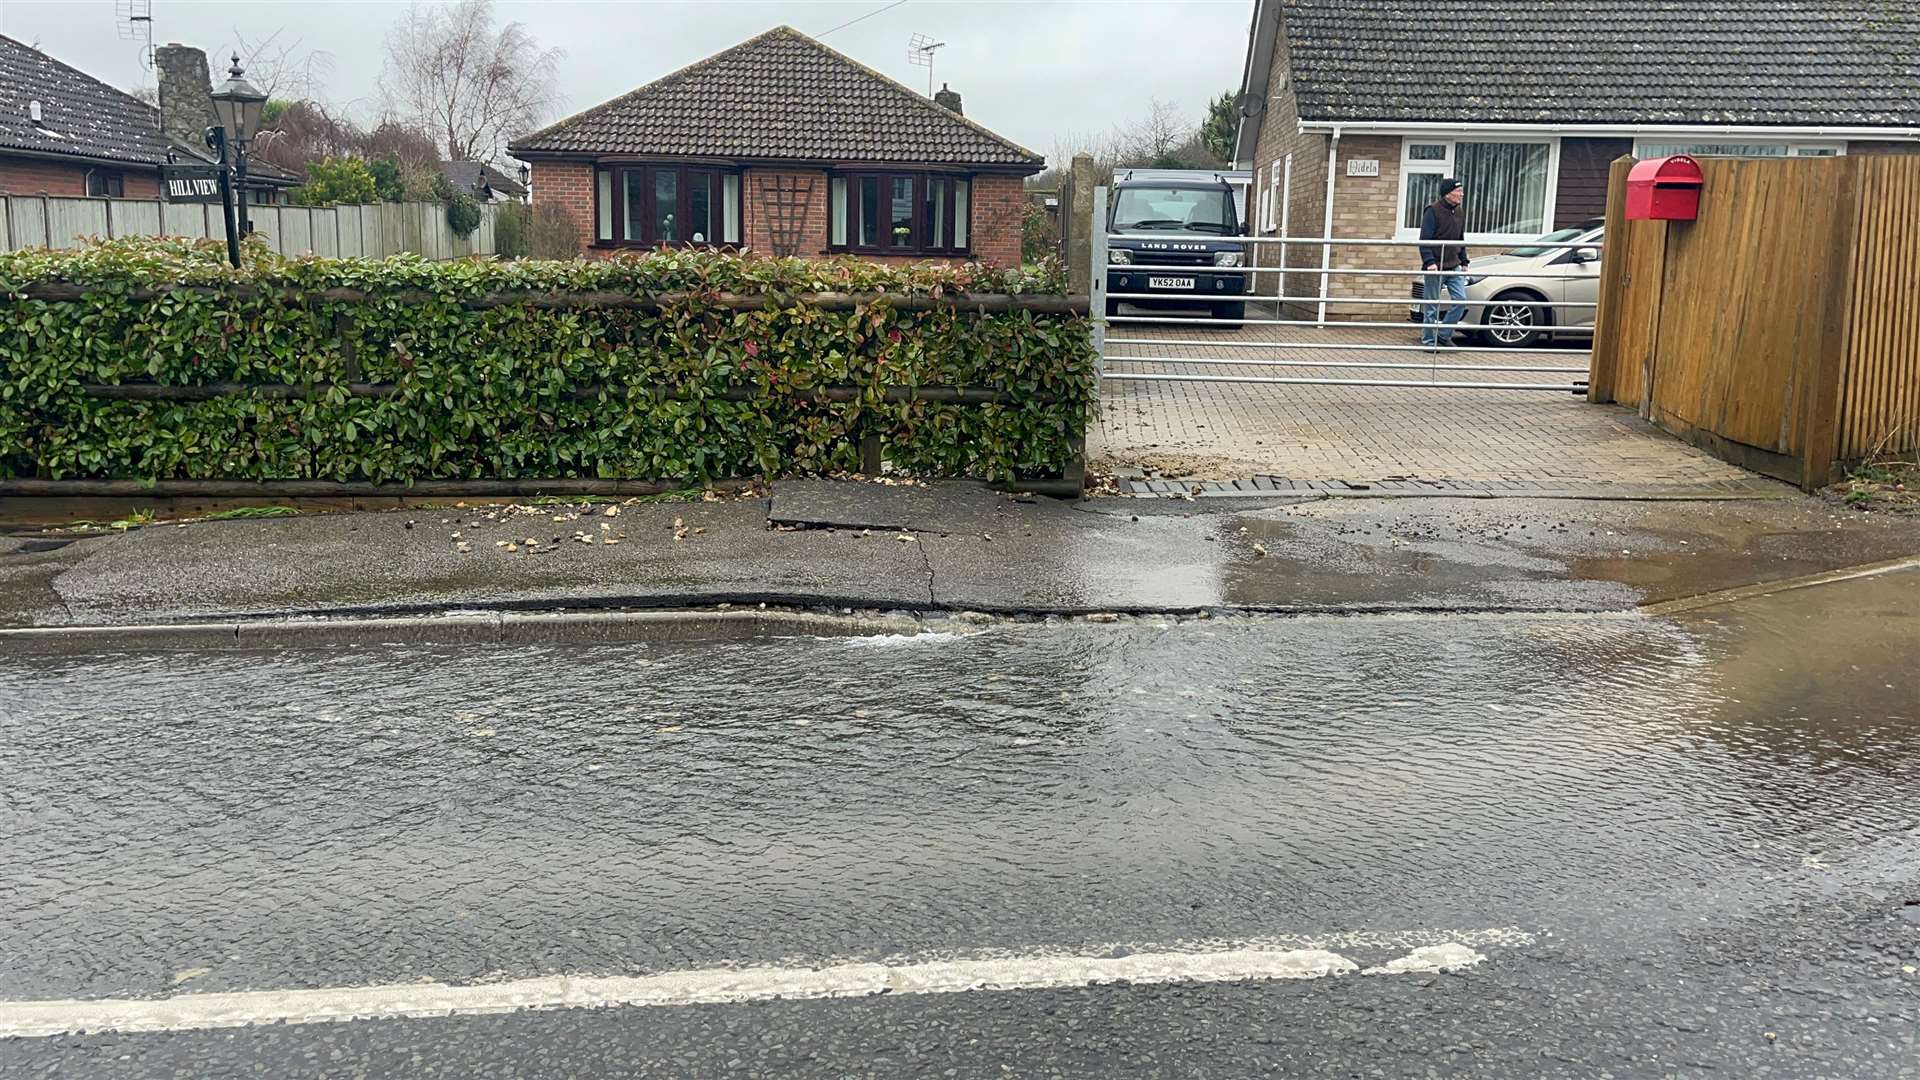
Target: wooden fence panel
<point x="71" y="220"/>
<point x="184" y="219"/>
<point x="1779" y="330"/>
<point x="383" y="229"/>
<point x="296" y="231"/>
<point x="131" y="218"/>
<point x="28" y="221"/>
<point x="347" y="224"/>
<point x="1734" y="334"/>
<point x="1879" y="408"/>
<point x="1627" y="322"/>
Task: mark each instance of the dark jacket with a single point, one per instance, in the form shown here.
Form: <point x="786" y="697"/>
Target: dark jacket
<point x="1443" y="222"/>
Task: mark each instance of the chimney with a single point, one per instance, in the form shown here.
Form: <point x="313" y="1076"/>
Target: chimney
<point x="948" y="99"/>
<point x="186" y="94"/>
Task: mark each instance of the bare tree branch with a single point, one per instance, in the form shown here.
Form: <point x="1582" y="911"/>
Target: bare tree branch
<point x="449" y="71"/>
<point x="283" y="69"/>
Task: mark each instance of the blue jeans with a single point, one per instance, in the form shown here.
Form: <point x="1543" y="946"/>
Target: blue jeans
<point x="1455" y="285"/>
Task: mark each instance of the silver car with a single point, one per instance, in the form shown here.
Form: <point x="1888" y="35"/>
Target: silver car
<point x="1514" y="309"/>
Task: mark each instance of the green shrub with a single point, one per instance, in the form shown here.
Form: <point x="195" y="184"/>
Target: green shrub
<point x="388" y="184"/>
<point x="513" y="230"/>
<point x="336" y="180"/>
<point x="520" y="391"/>
<point x="463" y="214"/>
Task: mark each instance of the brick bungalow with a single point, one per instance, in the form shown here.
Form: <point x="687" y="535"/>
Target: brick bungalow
<point x="786" y="146"/>
<point x="1368" y="105"/>
<point x="64" y="132"/>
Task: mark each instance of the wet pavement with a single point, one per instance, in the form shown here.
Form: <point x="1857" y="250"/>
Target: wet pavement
<point x="951" y="547"/>
<point x="1698" y="835"/>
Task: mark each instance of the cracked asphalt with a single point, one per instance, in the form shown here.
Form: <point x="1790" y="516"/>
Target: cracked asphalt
<point x="827" y="544"/>
<point x="1700" y="828"/>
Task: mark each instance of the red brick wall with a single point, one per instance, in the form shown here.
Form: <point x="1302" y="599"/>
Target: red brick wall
<point x="1364" y="207"/>
<point x="33" y="176"/>
<point x="143" y="185"/>
<point x="802" y="225"/>
<point x="997" y="206"/>
<point x="568" y="185"/>
<point x="1279" y="134"/>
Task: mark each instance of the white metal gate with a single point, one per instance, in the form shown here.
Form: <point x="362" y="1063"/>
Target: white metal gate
<point x="1287" y="354"/>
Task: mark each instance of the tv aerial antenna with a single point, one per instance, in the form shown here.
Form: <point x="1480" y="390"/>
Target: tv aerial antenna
<point x="135" y="19"/>
<point x="920" y="53"/>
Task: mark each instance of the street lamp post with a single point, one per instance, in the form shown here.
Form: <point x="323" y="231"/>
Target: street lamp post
<point x="217" y="142"/>
<point x="238" y="103"/>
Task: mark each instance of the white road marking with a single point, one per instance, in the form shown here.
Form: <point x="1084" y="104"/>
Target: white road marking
<point x="1431" y="951"/>
<point x="1428" y="959"/>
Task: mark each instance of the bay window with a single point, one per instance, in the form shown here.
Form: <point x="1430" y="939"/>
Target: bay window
<point x="650" y="205"/>
<point x="1507" y="184"/>
<point x="898" y="213"/>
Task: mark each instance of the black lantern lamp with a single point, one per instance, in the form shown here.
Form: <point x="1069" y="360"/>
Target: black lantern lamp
<point x="238" y="104"/>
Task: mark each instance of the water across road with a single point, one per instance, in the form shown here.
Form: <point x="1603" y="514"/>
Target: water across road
<point x="1665" y="841"/>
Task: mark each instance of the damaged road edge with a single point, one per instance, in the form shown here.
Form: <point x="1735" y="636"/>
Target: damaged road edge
<point x="597" y="626"/>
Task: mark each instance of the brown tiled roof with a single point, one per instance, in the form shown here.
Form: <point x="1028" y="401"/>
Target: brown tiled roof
<point x="780" y="95"/>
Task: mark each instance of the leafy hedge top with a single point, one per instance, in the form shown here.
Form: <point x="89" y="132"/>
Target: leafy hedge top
<point x="137" y="262"/>
<point x="687" y="389"/>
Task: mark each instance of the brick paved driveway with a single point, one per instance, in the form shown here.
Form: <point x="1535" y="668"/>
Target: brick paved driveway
<point x="1224" y="431"/>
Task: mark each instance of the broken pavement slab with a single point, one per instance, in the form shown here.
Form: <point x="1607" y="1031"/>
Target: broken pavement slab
<point x="968" y="548"/>
<point x="939" y="506"/>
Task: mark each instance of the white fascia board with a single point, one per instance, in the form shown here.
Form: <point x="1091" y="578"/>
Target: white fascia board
<point x="1754" y="131"/>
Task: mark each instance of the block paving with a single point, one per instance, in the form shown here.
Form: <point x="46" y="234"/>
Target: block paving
<point x="1545" y="439"/>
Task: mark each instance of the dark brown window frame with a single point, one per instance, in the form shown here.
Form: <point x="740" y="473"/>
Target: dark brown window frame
<point x="716" y="202"/>
<point x="109" y="180"/>
<point x="885" y="177"/>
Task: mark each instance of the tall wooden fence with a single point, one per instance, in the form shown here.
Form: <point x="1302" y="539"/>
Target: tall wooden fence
<point x="372" y="230"/>
<point x="1780" y="330"/>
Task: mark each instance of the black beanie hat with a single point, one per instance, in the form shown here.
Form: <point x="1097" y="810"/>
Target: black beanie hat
<point x="1448" y="185"/>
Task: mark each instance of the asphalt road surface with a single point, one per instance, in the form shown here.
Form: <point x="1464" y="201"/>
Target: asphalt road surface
<point x="1385" y="846"/>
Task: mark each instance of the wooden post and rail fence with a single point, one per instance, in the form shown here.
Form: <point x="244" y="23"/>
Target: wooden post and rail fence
<point x="1069" y="484"/>
<point x="1779" y="331"/>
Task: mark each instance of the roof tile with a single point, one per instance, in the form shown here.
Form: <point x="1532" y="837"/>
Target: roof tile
<point x="79" y="114"/>
<point x="1757" y="62"/>
<point x="779" y="95"/>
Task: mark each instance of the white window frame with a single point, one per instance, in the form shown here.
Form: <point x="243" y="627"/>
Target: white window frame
<point x="1273" y="201"/>
<point x="1794" y="148"/>
<point x="1444" y="167"/>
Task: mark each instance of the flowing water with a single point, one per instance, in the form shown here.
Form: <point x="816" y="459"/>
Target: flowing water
<point x="385" y="813"/>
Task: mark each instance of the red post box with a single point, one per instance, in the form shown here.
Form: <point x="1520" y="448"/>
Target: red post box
<point x="1664" y="189"/>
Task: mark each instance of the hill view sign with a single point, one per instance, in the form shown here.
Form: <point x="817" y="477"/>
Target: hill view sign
<point x="191" y="183"/>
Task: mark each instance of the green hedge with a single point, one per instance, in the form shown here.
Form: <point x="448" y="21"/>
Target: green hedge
<point x="490" y="393"/>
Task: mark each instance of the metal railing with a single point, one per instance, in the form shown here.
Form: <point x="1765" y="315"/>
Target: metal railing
<point x="1104" y="265"/>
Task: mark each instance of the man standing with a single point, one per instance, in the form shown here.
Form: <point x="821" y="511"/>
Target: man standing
<point x="1444" y="263"/>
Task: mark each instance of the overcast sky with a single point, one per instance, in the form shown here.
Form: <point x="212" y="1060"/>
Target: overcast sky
<point x="1037" y="72"/>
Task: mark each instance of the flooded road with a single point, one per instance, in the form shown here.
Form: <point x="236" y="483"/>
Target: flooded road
<point x="1699" y="829"/>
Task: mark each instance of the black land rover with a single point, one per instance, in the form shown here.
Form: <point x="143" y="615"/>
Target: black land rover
<point x="1186" y="243"/>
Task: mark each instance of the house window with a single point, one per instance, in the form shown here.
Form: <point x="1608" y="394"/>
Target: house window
<point x="1277" y="183"/>
<point x="1737" y="149"/>
<point x="111" y="185"/>
<point x="898" y="213"/>
<point x="650" y="205"/>
<point x="1508" y="184"/>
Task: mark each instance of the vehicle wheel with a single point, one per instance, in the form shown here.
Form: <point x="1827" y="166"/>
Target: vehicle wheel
<point x="1113" y="308"/>
<point x="1235" y="312"/>
<point x="1510" y="321"/>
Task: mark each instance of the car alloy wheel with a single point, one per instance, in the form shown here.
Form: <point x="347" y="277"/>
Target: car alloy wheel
<point x="1511" y="323"/>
